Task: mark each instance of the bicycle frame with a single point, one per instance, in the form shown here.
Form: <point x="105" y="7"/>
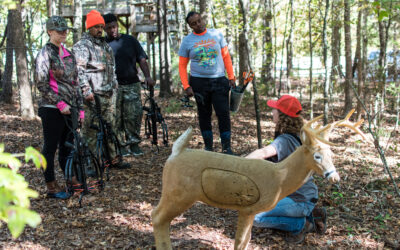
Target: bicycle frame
<point x="152" y="117"/>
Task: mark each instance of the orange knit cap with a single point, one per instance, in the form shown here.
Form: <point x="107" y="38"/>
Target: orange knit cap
<point x="94" y="18"/>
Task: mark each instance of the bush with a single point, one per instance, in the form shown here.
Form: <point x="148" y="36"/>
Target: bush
<point x="14" y="191"/>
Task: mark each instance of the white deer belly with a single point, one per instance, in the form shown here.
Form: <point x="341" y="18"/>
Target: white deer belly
<point x="229" y="188"/>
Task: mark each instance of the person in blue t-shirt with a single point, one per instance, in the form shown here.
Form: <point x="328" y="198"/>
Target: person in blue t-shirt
<point x="295" y="213"/>
<point x="207" y="51"/>
<point x="127" y="52"/>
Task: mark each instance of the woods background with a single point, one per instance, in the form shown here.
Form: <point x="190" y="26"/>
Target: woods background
<point x="334" y="55"/>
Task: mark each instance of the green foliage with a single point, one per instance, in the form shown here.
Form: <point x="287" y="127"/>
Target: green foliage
<point x="8" y="4"/>
<point x="15" y="193"/>
<point x="382" y="218"/>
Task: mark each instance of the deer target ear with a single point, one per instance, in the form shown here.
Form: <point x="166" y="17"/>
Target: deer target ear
<point x="306" y="137"/>
<point x="303" y="136"/>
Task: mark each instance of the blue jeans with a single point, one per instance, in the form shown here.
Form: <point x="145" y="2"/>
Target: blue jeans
<point x="288" y="215"/>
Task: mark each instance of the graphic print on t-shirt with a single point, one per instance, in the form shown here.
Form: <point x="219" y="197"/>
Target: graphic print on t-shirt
<point x="205" y="53"/>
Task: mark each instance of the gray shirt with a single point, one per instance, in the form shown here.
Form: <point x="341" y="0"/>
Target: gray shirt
<point x="204" y="52"/>
<point x="286" y="144"/>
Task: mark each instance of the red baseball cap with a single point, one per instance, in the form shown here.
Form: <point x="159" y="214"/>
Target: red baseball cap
<point x="287" y="104"/>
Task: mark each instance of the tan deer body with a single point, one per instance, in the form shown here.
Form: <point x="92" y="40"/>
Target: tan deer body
<point x="230" y="182"/>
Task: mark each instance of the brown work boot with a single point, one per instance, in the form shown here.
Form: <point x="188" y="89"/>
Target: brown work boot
<point x="319" y="216"/>
<point x="299" y="238"/>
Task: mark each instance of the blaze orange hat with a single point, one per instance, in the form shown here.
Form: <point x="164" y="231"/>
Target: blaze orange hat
<point x="94" y="18"/>
<point x="287" y="104"/>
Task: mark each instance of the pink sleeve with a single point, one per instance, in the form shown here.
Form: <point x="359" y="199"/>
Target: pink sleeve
<point x="61" y="105"/>
<point x="82" y="114"/>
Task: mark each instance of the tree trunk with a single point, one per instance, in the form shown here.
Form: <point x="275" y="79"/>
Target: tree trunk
<point x="7" y="93"/>
<point x="243" y="57"/>
<point x="348" y="102"/>
<point x="283" y="50"/>
<point x="266" y="70"/>
<point x="325" y="58"/>
<point x="52" y="7"/>
<point x="311" y="59"/>
<point x="275" y="46"/>
<point x="204" y="10"/>
<point x="27" y="111"/>
<point x="365" y="49"/>
<point x="336" y="69"/>
<point x="165" y="83"/>
<point x="77" y="20"/>
<point x="289" y="46"/>
<point x="255" y="91"/>
<point x="358" y="60"/>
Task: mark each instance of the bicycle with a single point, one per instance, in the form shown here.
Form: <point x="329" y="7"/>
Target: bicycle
<point x="152" y="117"/>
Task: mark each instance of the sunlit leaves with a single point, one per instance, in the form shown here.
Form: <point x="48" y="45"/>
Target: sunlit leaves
<point x="14" y="191"/>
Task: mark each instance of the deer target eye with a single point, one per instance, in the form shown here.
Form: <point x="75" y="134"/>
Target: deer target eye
<point x="317" y="157"/>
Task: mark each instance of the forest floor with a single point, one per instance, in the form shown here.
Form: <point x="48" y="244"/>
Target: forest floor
<point x="363" y="210"/>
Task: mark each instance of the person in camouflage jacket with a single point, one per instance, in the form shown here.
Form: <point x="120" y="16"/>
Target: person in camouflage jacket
<point x="56" y="77"/>
<point x="96" y="72"/>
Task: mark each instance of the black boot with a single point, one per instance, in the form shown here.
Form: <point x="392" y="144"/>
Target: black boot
<point x="208" y="140"/>
<point x="226" y="142"/>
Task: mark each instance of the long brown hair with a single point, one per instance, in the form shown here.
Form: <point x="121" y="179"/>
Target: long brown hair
<point x="288" y="124"/>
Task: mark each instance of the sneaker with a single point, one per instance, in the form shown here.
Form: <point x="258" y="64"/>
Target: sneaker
<point x="319" y="216"/>
<point x="299" y="238"/>
<point x="59" y="195"/>
<point x="136" y="151"/>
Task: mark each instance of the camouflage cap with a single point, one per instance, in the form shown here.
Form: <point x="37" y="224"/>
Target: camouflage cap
<point x="57" y="23"/>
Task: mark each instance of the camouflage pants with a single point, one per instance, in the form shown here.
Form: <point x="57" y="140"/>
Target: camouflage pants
<point x="129" y="113"/>
<point x="108" y="114"/>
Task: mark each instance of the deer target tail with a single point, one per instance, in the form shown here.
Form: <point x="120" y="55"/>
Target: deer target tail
<point x="181" y="143"/>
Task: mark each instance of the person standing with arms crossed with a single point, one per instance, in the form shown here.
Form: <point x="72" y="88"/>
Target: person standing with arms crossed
<point x="128" y="51"/>
<point x="208" y="52"/>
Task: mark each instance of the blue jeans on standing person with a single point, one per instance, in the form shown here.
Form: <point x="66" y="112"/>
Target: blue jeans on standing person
<point x="288" y="215"/>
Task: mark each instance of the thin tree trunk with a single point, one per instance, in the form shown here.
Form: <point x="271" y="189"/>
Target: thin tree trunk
<point x="243" y="57"/>
<point x="27" y="111"/>
<point x="358" y="60"/>
<point x="325" y="58"/>
<point x="283" y="50"/>
<point x="246" y="48"/>
<point x="348" y="102"/>
<point x="204" y="10"/>
<point x="165" y="83"/>
<point x="336" y="69"/>
<point x="383" y="41"/>
<point x="289" y="47"/>
<point x="364" y="31"/>
<point x="311" y="59"/>
<point x="266" y="70"/>
<point x="77" y="20"/>
<point x="275" y="46"/>
<point x="7" y="93"/>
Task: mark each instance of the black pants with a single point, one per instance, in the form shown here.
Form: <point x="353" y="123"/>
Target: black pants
<point x="55" y="133"/>
<point x="212" y="92"/>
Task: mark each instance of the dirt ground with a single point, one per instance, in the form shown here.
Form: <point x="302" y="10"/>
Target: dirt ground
<point x="363" y="210"/>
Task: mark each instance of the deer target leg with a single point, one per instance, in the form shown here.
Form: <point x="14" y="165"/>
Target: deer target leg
<point x="243" y="232"/>
<point x="162" y="216"/>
